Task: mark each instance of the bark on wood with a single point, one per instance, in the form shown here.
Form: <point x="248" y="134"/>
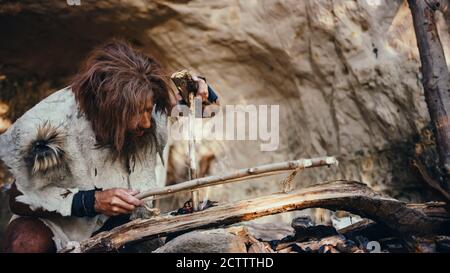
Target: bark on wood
<point x="357" y="198"/>
<point x="435" y="78"/>
<point x="330" y="244"/>
<point x="433" y="183"/>
<point x="264" y="170"/>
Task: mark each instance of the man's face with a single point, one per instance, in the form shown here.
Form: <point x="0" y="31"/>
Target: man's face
<point x="142" y="122"/>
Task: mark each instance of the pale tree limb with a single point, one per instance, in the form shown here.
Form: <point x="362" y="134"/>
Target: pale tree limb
<point x="248" y="173"/>
<point x="354" y="197"/>
<point x="192" y="154"/>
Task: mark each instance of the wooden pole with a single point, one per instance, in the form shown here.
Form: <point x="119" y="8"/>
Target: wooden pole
<point x="192" y="157"/>
<point x="248" y="173"/>
<point x="187" y="87"/>
<point x="436" y="79"/>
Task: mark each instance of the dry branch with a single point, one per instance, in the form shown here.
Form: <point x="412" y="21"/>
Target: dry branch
<point x="357" y="198"/>
<point x="433" y="183"/>
<point x="436" y="79"/>
<point x="264" y="170"/>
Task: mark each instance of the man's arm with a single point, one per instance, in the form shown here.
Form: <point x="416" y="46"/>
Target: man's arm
<point x="110" y="202"/>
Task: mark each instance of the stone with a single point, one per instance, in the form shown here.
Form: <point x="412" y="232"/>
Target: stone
<point x="205" y="241"/>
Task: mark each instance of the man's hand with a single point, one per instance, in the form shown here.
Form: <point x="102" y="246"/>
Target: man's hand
<point x="116" y="201"/>
<point x="202" y="91"/>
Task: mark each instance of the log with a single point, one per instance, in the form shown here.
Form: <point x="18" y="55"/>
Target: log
<point x="355" y="197"/>
<point x="328" y="244"/>
<point x="436" y="79"/>
<point x="249" y="173"/>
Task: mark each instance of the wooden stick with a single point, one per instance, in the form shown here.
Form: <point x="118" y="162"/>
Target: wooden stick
<point x="192" y="157"/>
<point x="187" y="87"/>
<point x="357" y="198"/>
<point x="249" y="173"/>
<point x="436" y="79"/>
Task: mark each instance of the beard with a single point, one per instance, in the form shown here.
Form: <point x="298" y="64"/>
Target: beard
<point x="138" y="143"/>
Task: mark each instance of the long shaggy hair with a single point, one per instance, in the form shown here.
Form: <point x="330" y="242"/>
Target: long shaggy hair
<point x="111" y="89"/>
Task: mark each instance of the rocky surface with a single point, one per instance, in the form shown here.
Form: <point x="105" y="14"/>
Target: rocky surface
<point x="345" y="74"/>
<point x="205" y="241"/>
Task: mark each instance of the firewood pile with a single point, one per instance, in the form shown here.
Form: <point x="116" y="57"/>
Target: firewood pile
<point x="364" y="236"/>
<point x="311" y="238"/>
<point x="394" y="226"/>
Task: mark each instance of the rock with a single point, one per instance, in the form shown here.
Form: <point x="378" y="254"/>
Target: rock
<point x="147" y="246"/>
<point x="305" y="229"/>
<point x="205" y="241"/>
<point x="268" y="231"/>
<point x="443" y="244"/>
<point x="300" y="224"/>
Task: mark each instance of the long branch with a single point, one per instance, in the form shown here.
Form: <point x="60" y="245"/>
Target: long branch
<point x="249" y="173"/>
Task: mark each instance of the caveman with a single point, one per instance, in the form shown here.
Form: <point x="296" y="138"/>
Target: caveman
<point x="81" y="155"/>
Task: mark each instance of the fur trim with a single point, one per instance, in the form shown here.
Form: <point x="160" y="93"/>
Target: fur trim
<point x="46" y="153"/>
